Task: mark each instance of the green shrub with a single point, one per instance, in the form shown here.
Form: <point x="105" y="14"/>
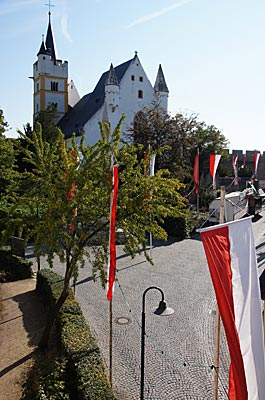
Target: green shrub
<point x="84" y="365"/>
<point x="176" y="227"/>
<point x="13" y="268"/>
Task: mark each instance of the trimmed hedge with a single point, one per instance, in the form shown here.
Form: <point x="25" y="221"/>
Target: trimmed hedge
<point x="85" y="367"/>
<point x="13" y="268"/>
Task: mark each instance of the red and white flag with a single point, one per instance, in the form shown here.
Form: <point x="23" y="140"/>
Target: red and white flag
<point x="256" y="161"/>
<point x="112" y="234"/>
<point x="231" y="257"/>
<point x="214" y="161"/>
<point x="196" y="172"/>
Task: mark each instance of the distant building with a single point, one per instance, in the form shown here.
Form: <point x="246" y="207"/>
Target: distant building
<point x="124" y="89"/>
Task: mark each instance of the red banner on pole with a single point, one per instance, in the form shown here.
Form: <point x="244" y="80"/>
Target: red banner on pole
<point x="214" y="161"/>
<point x="112" y="235"/>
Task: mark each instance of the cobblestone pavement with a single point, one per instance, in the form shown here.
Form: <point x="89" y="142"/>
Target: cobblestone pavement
<point x="179" y="348"/>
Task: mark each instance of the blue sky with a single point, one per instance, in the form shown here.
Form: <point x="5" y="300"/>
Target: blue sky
<point x="212" y="53"/>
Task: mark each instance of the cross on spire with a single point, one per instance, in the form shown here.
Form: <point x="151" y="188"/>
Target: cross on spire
<point x="49" y="5"/>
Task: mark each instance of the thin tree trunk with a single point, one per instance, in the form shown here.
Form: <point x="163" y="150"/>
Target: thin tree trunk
<point x="44" y="341"/>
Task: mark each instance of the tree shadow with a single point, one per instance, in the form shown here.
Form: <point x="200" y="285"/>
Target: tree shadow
<point x="17" y="363"/>
<point x="34" y="312"/>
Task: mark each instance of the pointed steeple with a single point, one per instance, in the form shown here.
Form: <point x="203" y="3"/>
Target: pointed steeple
<point x="42" y="49"/>
<point x="160" y="83"/>
<point x="49" y="43"/>
<point x="112" y="77"/>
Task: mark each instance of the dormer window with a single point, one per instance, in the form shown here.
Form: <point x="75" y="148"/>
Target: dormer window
<point x="132" y="77"/>
<point x="140" y="94"/>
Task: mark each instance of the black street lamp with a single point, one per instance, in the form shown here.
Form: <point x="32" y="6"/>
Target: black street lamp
<point x="161" y="310"/>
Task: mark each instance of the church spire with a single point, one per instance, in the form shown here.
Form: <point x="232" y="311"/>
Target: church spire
<point x="49" y="42"/>
<point x="160" y="83"/>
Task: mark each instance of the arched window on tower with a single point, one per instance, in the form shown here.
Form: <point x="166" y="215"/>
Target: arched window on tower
<point x="54" y="86"/>
<point x="140" y="94"/>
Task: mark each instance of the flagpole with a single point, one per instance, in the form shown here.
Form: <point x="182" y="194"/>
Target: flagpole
<point x="218" y="319"/>
<point x="110" y="342"/>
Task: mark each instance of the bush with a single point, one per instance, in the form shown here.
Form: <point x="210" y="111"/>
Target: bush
<point x="176" y="227"/>
<point x="84" y="365"/>
<point x="13" y="268"/>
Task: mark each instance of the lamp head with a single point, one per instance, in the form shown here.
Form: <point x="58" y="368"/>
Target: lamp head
<point x="163" y="310"/>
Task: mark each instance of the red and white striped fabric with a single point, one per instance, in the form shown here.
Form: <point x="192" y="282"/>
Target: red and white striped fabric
<point x="214" y="161"/>
<point x="256" y="161"/>
<point x="231" y="256"/>
<point x="112" y="235"/>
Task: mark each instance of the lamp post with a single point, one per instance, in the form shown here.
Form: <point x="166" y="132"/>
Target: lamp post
<point x="161" y="310"/>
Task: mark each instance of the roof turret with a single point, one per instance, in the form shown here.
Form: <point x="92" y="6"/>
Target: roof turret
<point x="160" y="83"/>
<point x="42" y="49"/>
<point x="112" y="77"/>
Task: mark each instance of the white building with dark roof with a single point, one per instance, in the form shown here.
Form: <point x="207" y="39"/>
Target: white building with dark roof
<point x="123" y="89"/>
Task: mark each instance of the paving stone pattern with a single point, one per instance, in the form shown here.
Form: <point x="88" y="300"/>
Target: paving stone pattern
<point x="179" y="348"/>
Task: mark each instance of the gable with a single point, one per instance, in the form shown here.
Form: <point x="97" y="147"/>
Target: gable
<point x="76" y="117"/>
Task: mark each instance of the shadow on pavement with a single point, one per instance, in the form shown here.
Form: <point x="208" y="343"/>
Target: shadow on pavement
<point x="34" y="314"/>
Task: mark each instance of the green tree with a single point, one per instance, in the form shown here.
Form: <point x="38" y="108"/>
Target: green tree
<point x="47" y="120"/>
<point x="8" y="177"/>
<point x="180" y="137"/>
<point x="3" y="123"/>
<point x="60" y="183"/>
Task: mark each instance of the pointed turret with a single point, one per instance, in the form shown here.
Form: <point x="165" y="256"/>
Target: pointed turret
<point x="112" y="89"/>
<point x="112" y="78"/>
<point x="42" y="49"/>
<point x="161" y="89"/>
<point x="160" y="83"/>
<point x="49" y="42"/>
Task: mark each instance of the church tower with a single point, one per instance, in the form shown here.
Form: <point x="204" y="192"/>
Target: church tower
<point x="161" y="90"/>
<point x="50" y="76"/>
<point x="112" y="90"/>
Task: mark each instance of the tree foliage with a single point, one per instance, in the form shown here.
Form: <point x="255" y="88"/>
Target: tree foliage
<point x="180" y="137"/>
<point x="3" y="123"/>
<point x="66" y="202"/>
<point x="47" y="120"/>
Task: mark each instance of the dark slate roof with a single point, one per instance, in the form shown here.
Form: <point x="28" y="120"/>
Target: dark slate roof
<point x="76" y="117"/>
<point x="42" y="49"/>
<point x="49" y="43"/>
<point x="160" y="83"/>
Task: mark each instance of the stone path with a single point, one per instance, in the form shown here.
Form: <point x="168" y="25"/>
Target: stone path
<point x="180" y="348"/>
<point x="21" y="323"/>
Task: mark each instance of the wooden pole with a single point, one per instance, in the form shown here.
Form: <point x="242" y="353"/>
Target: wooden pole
<point x="264" y="320"/>
<point x="110" y="342"/>
<point x="218" y="319"/>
